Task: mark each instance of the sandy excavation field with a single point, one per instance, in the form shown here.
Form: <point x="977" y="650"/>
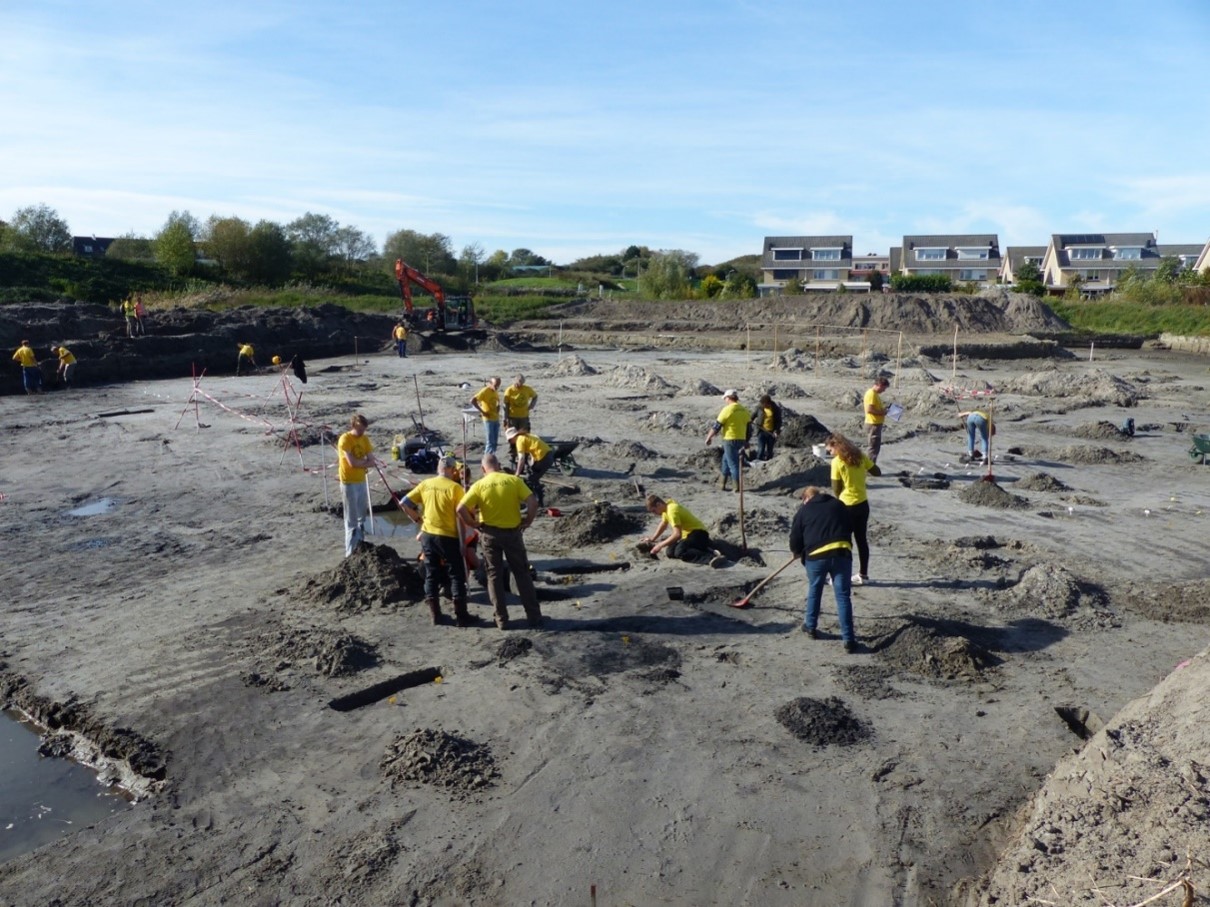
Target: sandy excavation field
<point x="1025" y="721"/>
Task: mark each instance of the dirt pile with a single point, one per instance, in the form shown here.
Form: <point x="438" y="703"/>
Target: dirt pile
<point x="1100" y="431"/>
<point x="1093" y="388"/>
<point x="374" y="576"/>
<point x="1053" y="592"/>
<point x="1041" y="481"/>
<point x="1082" y="455"/>
<point x="445" y="760"/>
<point x="636" y="377"/>
<point x="630" y="450"/>
<point x="1176" y="602"/>
<point x="571" y="367"/>
<point x="931" y="651"/>
<point x="513" y="648"/>
<point x="988" y="494"/>
<point x="332" y="653"/>
<point x="822" y="722"/>
<point x="699" y="388"/>
<point x="801" y="430"/>
<point x="790" y="472"/>
<point x="596" y="524"/>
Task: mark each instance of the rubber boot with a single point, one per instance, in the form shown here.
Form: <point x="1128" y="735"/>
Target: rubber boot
<point x="434" y="609"/>
<point x="722" y="483"/>
<point x="462" y="617"/>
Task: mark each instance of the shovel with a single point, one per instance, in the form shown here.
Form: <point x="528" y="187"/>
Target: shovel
<point x="746" y="601"/>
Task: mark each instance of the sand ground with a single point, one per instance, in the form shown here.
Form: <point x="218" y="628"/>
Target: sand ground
<point x="635" y="746"/>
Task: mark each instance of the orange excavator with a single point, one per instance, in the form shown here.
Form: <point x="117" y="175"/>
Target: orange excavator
<point x="456" y="315"/>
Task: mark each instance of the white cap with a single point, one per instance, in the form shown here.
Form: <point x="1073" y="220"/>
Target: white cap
<point x="730" y="393"/>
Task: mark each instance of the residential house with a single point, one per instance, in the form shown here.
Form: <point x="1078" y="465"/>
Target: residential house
<point x="864" y="266"/>
<point x="973" y="258"/>
<point x="1186" y="253"/>
<point x="816" y="262"/>
<point x="1015" y="256"/>
<point x="1096" y="261"/>
<point x="90" y="246"/>
<point x="1202" y="265"/>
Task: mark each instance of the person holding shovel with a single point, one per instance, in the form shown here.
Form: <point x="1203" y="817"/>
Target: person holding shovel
<point x="819" y="537"/>
<point x="444" y="562"/>
<point x="849" y="470"/>
<point x="688" y="540"/>
<point x="735" y="423"/>
<point x="355" y="454"/>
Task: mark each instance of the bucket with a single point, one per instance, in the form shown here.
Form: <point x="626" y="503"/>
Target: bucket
<point x="820" y="450"/>
<point x="676" y="593"/>
<point x="398" y="443"/>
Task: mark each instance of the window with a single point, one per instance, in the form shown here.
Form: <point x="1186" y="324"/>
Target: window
<point x="1128" y="253"/>
<point x="785" y="274"/>
<point x="972" y="274"/>
<point x="929" y="271"/>
<point x="787" y="254"/>
<point x="1086" y="254"/>
<point x="978" y="253"/>
<point x="825" y="254"/>
<point x="936" y="254"/>
<point x="1090" y="274"/>
<point x="1187" y="261"/>
<point x="825" y="275"/>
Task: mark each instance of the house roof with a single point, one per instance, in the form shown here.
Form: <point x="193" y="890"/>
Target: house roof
<point x="1014" y="256"/>
<point x="1178" y="249"/>
<point x="1063" y="242"/>
<point x="951" y="243"/>
<point x="806" y="243"/>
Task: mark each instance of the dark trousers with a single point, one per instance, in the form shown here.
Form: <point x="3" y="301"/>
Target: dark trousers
<point x="499" y="546"/>
<point x="694" y="547"/>
<point x="859" y="519"/>
<point x="443" y="562"/>
<point x="536" y="471"/>
<point x="764" y="445"/>
<point x="874" y="439"/>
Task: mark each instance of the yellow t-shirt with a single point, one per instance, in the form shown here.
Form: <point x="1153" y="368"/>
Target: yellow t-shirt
<point x="680" y="518"/>
<point x="358" y="447"/>
<point x="518" y="399"/>
<point x="532" y="444"/>
<point x="498" y="497"/>
<point x="25" y="356"/>
<point x="438" y="498"/>
<point x="734" y="419"/>
<point x="872" y="399"/>
<point x="128" y="308"/>
<point x="401" y="333"/>
<point x="488" y="401"/>
<point x="768" y="418"/>
<point x="246" y="351"/>
<point x="65" y="356"/>
<point x="853" y="477"/>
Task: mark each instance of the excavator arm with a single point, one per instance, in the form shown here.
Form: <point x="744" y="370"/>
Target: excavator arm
<point x="407" y="275"/>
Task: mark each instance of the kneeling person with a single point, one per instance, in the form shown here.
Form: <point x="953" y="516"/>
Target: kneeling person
<point x="688" y="539"/>
<point x="438" y="498"/>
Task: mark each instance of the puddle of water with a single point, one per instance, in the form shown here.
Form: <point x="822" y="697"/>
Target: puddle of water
<point x="94" y="508"/>
<point x="90" y="544"/>
<point x="43" y="799"/>
<point x="392" y="524"/>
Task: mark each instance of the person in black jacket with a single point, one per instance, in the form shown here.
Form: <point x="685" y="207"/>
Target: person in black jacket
<point x="821" y="537"/>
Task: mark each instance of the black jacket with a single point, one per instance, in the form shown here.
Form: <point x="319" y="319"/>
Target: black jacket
<point x="819" y="522"/>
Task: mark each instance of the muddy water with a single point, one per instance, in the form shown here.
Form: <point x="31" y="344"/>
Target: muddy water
<point x="43" y="799"/>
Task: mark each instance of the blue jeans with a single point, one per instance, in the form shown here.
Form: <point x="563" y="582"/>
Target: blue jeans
<point x="401" y="347"/>
<point x="357" y="507"/>
<point x="764" y="445"/>
<point x="839" y="566"/>
<point x="975" y="423"/>
<point x="731" y="451"/>
<point x="491" y="431"/>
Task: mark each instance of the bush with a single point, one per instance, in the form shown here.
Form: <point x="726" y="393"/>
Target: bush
<point x="1032" y="287"/>
<point x="921" y="283"/>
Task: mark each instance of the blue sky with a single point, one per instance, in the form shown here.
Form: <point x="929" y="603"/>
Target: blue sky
<point x="579" y="128"/>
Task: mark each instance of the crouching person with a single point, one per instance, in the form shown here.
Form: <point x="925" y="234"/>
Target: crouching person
<point x="687" y="538"/>
<point x="820" y="537"/>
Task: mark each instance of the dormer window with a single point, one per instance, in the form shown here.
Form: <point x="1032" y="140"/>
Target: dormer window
<point x="787" y="254"/>
<point x="1128" y="253"/>
<point x="977" y="253"/>
<point x="826" y="254"/>
<point x="1086" y="254"/>
<point x="925" y="253"/>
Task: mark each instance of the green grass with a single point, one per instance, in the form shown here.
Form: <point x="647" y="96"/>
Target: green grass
<point x="1111" y="317"/>
<point x="502" y="309"/>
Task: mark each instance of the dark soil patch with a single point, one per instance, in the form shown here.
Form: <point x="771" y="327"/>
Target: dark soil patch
<point x="1041" y="481"/>
<point x="425" y="756"/>
<point x="1177" y="603"/>
<point x="928" y="651"/>
<point x="868" y="682"/>
<point x="596" y="524"/>
<point x="981" y="542"/>
<point x="988" y="494"/>
<point x="822" y="722"/>
<point x="374" y="576"/>
<point x="613" y="654"/>
<point x="801" y="430"/>
<point x="512" y="648"/>
<point x="935" y="482"/>
<point x="331" y="652"/>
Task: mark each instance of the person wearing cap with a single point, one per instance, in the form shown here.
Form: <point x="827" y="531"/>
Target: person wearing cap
<point x="493" y="505"/>
<point x="519" y="399"/>
<point x="444" y="562"/>
<point x="875" y="415"/>
<point x="247" y="356"/>
<point x="355" y="453"/>
<point x="534" y="453"/>
<point x="487" y="402"/>
<point x="735" y="423"/>
<point x="31" y="373"/>
<point x="400" y="336"/>
<point x="67" y="365"/>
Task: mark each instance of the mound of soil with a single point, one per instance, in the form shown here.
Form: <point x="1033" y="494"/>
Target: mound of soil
<point x="700" y="388"/>
<point x="638" y="378"/>
<point x="571" y="366"/>
<point x="373" y="576"/>
<point x="455" y="763"/>
<point x="790" y="472"/>
<point x="822" y="722"/>
<point x="1178" y="603"/>
<point x="785" y="390"/>
<point x="331" y="652"/>
<point x="1095" y="388"/>
<point x="1093" y="456"/>
<point x="1051" y="591"/>
<point x="630" y="450"/>
<point x="597" y="524"/>
<point x="1041" y="481"/>
<point x="801" y="430"/>
<point x="989" y="494"/>
<point x="1100" y="431"/>
<point x="930" y="652"/>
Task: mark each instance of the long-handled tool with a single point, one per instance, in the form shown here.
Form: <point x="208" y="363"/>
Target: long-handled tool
<point x="739" y="481"/>
<point x="746" y="601"/>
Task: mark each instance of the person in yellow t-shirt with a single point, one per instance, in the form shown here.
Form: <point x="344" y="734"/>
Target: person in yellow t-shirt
<point x="735" y="423"/>
<point x="444" y="563"/>
<point x="849" y="470"/>
<point x="875" y="415"/>
<point x="533" y="459"/>
<point x="355" y="453"/>
<point x="688" y="539"/>
<point x="31" y="373"/>
<point x="400" y="336"/>
<point x="768" y="427"/>
<point x="246" y="357"/>
<point x="487" y="401"/>
<point x="128" y="312"/>
<point x="519" y="399"/>
<point x="67" y="365"/>
<point x="493" y="505"/>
